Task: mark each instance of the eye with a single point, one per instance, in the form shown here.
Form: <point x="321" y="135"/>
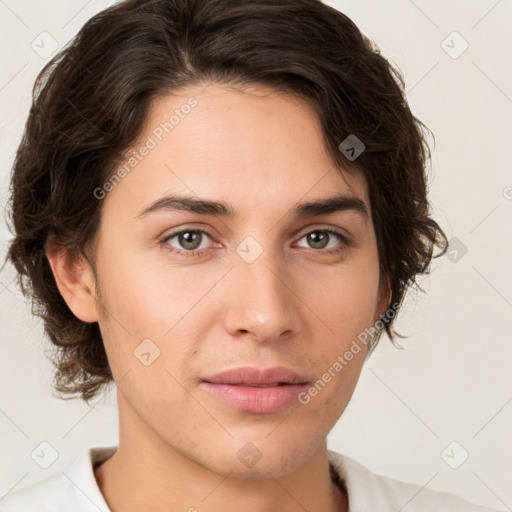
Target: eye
<point x="320" y="239"/>
<point x="189" y="242"/>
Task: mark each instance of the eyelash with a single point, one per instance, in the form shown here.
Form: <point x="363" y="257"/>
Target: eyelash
<point x="345" y="242"/>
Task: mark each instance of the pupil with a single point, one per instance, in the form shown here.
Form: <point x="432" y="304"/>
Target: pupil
<point x="188" y="237"/>
<point x="315" y="236"/>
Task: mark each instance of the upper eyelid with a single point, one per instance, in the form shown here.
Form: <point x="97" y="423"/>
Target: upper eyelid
<point x="339" y="231"/>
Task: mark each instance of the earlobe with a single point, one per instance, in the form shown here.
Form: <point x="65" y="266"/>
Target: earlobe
<point x="75" y="281"/>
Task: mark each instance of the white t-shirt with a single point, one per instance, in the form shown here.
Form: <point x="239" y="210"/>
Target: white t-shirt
<point x="75" y="490"/>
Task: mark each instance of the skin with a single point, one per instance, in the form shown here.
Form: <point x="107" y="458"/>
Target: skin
<point x="261" y="152"/>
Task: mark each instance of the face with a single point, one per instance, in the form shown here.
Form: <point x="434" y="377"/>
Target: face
<point x="253" y="283"/>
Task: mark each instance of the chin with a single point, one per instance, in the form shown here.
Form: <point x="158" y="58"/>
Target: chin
<point x="259" y="459"/>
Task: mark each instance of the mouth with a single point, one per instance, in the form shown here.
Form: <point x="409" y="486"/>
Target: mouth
<point x="255" y="390"/>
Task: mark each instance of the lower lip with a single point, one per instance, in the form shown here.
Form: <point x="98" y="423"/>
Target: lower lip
<point x="254" y="399"/>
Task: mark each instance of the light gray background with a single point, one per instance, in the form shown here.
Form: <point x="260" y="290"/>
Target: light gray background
<point x="452" y="380"/>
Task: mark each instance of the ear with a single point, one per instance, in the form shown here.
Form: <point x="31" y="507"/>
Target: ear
<point x="384" y="298"/>
<point x="75" y="281"/>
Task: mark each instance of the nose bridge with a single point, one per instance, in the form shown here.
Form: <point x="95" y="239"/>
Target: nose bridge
<point x="262" y="302"/>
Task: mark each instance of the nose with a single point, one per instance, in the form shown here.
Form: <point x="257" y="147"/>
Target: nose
<point x="260" y="302"/>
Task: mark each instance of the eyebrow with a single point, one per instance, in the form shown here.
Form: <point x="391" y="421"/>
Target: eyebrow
<point x="314" y="208"/>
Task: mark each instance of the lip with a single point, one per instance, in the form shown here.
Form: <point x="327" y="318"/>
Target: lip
<point x="257" y="390"/>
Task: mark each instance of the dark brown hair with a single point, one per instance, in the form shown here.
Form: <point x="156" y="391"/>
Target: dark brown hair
<point x="90" y="100"/>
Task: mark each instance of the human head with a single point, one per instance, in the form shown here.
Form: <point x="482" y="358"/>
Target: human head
<point x="90" y="103"/>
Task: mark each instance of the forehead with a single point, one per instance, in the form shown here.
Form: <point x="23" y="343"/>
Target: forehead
<point x="249" y="147"/>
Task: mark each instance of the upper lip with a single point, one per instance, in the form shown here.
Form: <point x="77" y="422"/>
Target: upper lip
<point x="252" y="376"/>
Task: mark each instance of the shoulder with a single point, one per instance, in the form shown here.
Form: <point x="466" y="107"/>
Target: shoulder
<point x="369" y="491"/>
<point x="51" y="494"/>
<point x="73" y="488"/>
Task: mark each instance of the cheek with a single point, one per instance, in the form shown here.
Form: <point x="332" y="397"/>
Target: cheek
<point x="148" y="297"/>
<point x="148" y="301"/>
<point x="345" y="299"/>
